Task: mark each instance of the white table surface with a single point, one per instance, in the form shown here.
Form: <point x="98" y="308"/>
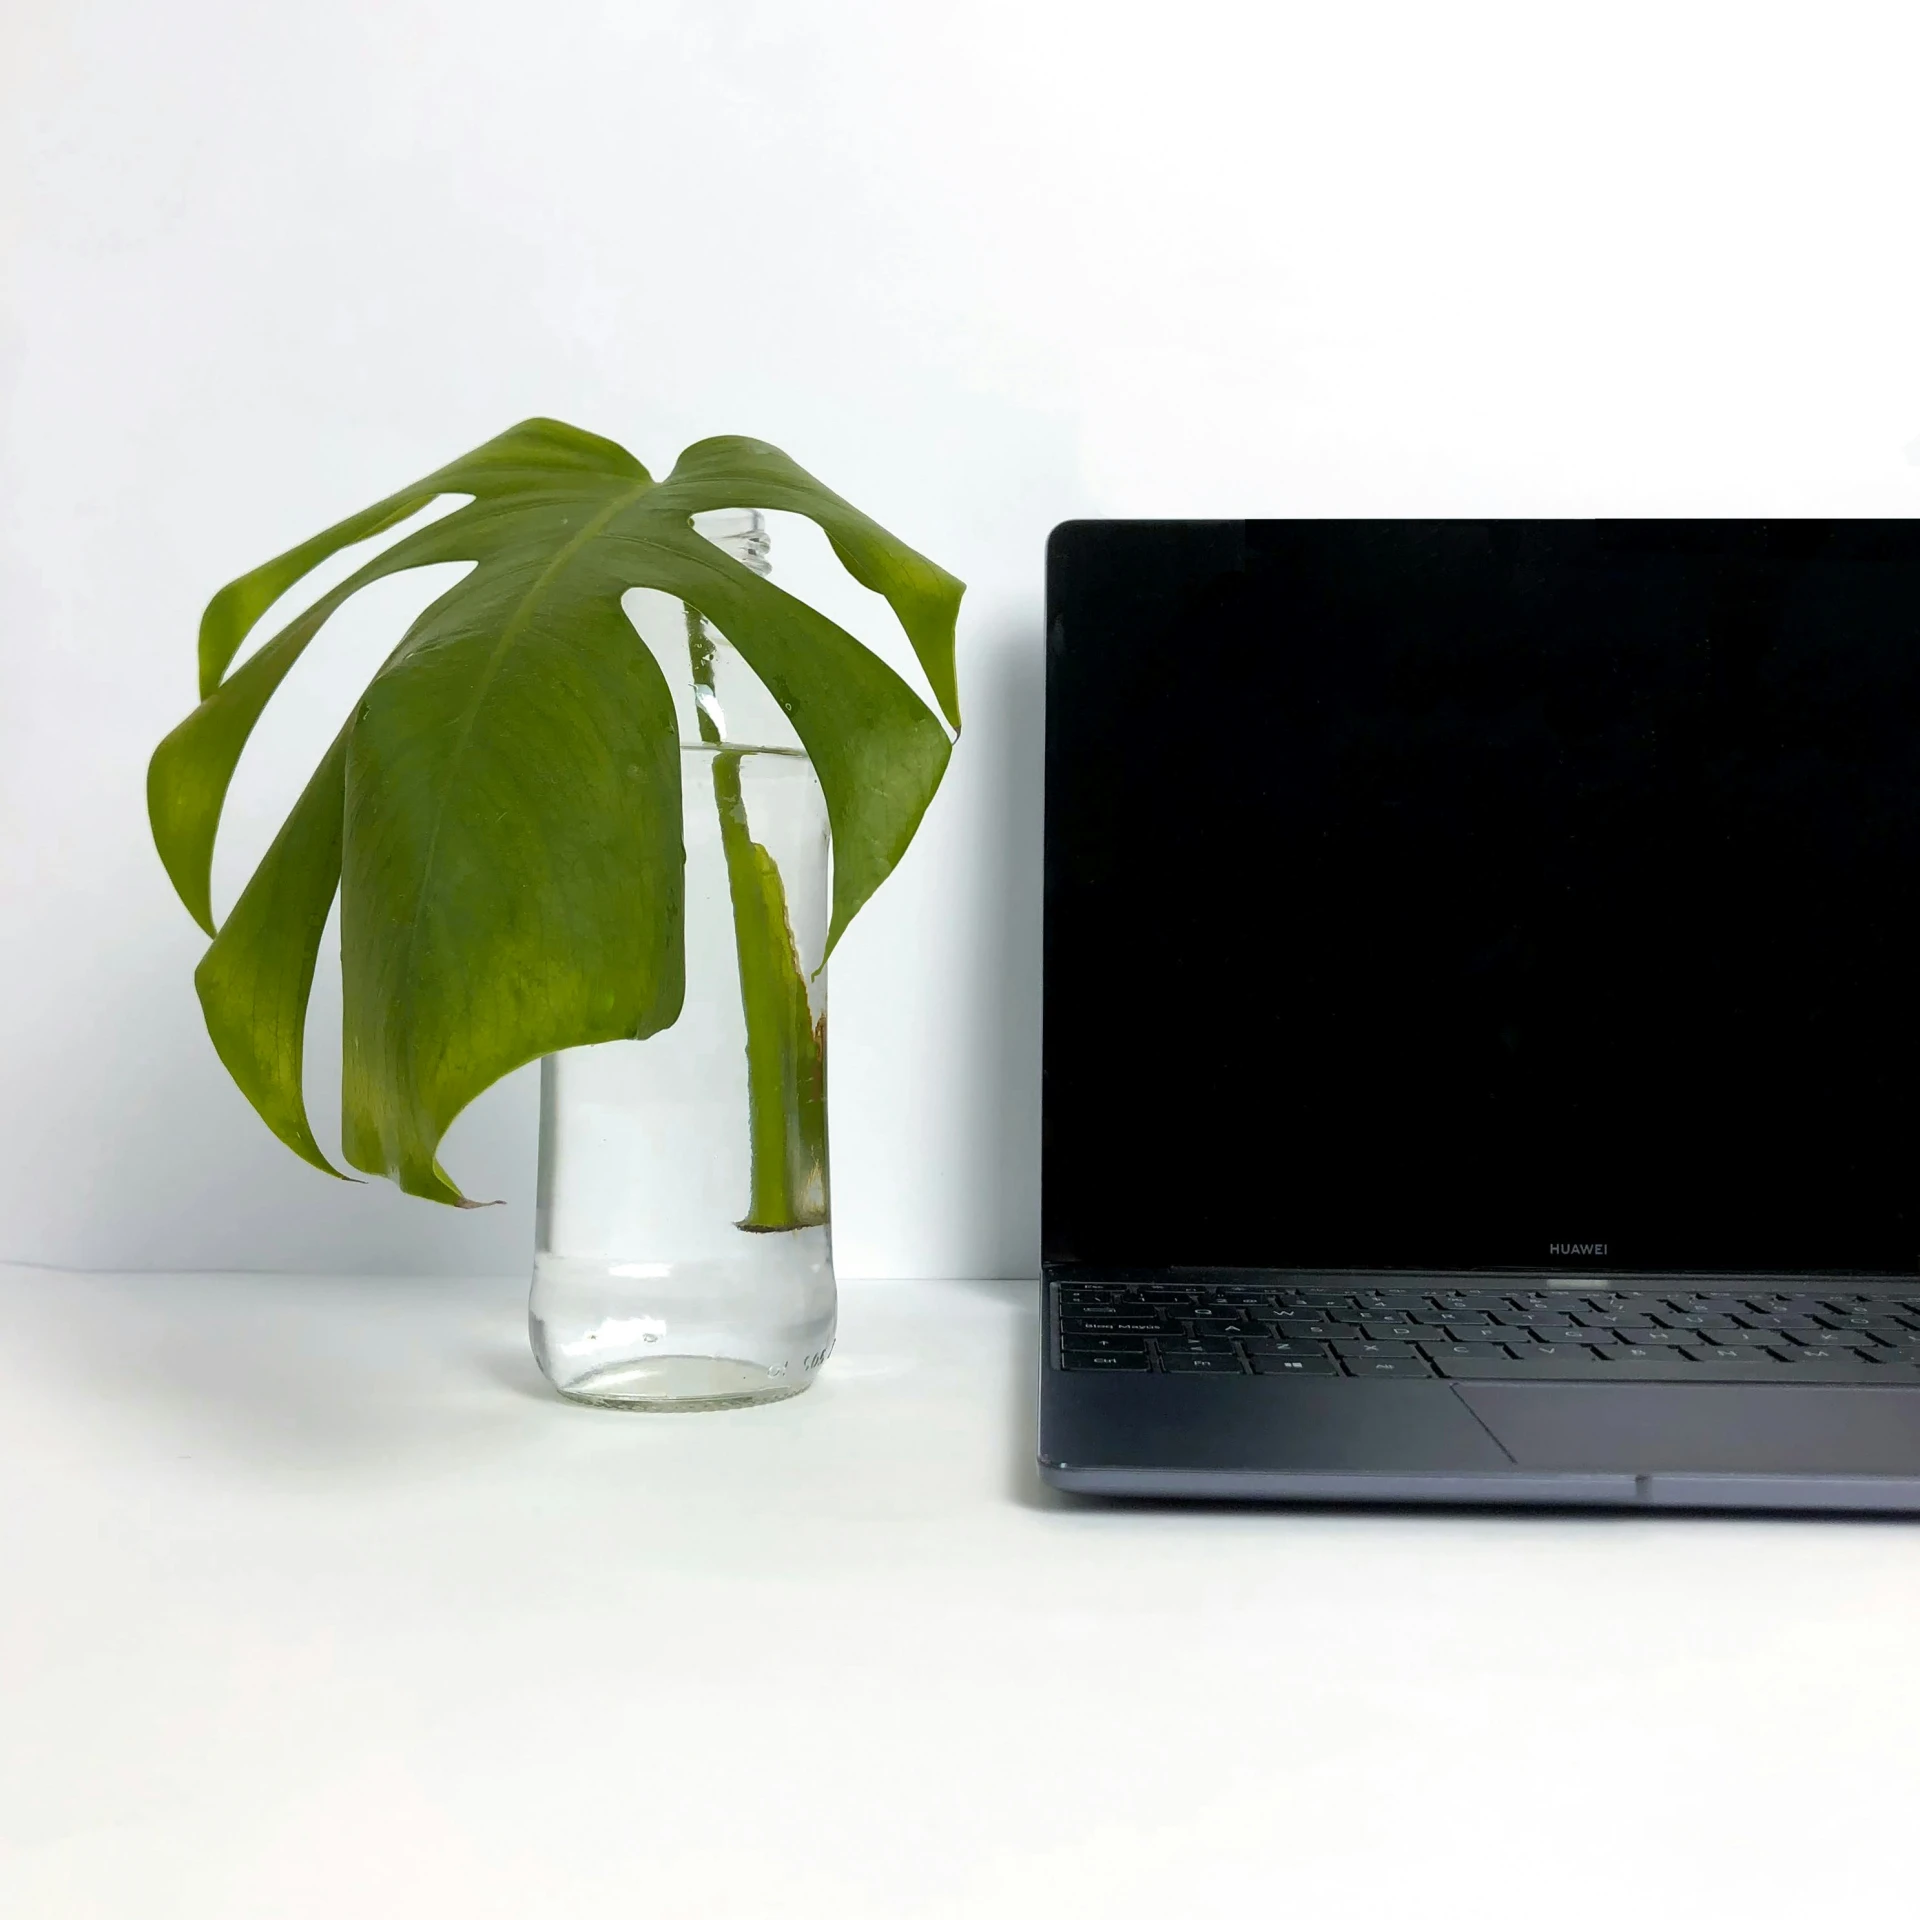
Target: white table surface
<point x="316" y="1603"/>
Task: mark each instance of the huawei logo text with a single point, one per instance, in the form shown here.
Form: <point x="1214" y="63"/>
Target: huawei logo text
<point x="1594" y="1248"/>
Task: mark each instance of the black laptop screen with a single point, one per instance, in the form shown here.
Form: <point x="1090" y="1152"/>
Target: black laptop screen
<point x="1466" y="894"/>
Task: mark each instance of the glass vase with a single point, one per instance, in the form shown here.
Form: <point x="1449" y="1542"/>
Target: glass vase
<point x="683" y="1256"/>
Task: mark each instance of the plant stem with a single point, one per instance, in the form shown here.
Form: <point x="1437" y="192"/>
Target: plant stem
<point x="786" y="1077"/>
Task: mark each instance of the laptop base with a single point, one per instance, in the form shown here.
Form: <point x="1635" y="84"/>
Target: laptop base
<point x="1338" y="1435"/>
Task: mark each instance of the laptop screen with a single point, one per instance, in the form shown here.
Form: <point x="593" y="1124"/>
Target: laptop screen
<point x="1467" y="894"/>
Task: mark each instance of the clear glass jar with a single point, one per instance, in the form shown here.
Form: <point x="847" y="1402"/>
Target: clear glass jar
<point x="683" y="1254"/>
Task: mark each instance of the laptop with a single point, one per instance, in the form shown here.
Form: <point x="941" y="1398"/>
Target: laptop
<point x="1482" y="1012"/>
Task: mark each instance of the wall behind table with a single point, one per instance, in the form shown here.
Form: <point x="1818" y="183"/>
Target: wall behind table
<point x="981" y="267"/>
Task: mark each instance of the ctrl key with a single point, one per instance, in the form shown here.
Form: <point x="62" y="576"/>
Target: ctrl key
<point x="1106" y="1363"/>
<point x="1300" y="1364"/>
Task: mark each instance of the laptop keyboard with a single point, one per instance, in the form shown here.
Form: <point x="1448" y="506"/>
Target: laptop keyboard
<point x="1404" y="1332"/>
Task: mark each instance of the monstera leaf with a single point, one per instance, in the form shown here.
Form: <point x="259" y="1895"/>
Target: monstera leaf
<point x="500" y="813"/>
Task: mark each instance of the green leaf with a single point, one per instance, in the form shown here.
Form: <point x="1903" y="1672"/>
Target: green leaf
<point x="193" y="766"/>
<point x="877" y="750"/>
<point x="732" y="472"/>
<point x="255" y="979"/>
<point x="513" y="880"/>
<point x="501" y="811"/>
<point x="517" y="459"/>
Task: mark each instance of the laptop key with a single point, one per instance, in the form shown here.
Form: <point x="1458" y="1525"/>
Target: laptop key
<point x="1664" y="1368"/>
<point x="1170" y="1347"/>
<point x="1106" y="1363"/>
<point x="1103" y="1343"/>
<point x="1200" y="1362"/>
<point x="1300" y="1365"/>
<point x="1412" y="1367"/>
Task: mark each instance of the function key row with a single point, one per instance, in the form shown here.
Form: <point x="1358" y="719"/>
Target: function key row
<point x="1680" y="1309"/>
<point x="1296" y="1338"/>
<point x="1590" y="1328"/>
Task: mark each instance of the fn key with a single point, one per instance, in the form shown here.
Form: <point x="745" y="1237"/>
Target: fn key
<point x="1412" y="1367"/>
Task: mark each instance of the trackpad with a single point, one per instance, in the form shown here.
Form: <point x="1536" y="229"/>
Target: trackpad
<point x="1658" y="1427"/>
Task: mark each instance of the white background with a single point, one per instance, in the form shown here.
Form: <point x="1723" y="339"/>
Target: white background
<point x="981" y="266"/>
